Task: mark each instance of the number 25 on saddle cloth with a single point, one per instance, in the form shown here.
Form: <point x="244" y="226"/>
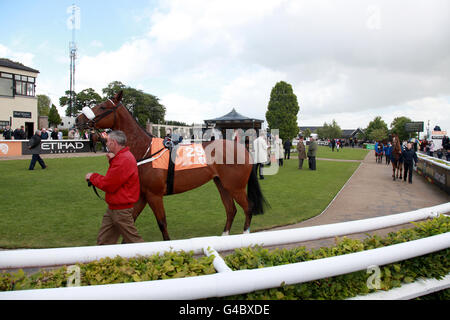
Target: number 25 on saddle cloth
<point x="188" y="156"/>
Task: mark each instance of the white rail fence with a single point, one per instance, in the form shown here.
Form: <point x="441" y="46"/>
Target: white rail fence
<point x="227" y="282"/>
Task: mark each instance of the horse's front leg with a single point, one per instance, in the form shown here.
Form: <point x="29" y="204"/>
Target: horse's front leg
<point x="139" y="206"/>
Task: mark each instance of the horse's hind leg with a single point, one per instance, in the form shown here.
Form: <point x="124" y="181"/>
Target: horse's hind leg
<point x="242" y="199"/>
<point x="157" y="205"/>
<point x="229" y="205"/>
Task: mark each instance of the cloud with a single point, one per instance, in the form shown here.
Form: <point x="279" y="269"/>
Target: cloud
<point x="350" y="63"/>
<point x="132" y="61"/>
<point x="184" y="109"/>
<point x="96" y="44"/>
<point x="25" y="58"/>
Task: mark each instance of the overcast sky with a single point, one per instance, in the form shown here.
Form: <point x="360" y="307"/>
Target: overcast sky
<point x="346" y="60"/>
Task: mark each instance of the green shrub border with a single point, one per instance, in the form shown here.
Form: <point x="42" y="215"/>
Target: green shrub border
<point x="184" y="264"/>
<point x="434" y="265"/>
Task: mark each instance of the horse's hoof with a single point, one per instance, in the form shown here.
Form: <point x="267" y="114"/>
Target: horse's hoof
<point x="246" y="231"/>
<point x="225" y="233"/>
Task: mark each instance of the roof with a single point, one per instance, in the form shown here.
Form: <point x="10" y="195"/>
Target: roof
<point x="345" y="132"/>
<point x="15" y="65"/>
<point x="312" y="129"/>
<point x="233" y="116"/>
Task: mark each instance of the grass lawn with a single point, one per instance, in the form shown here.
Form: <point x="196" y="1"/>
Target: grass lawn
<point x="344" y="154"/>
<point x="55" y="208"/>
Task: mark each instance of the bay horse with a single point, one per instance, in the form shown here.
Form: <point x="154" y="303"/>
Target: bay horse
<point x="231" y="179"/>
<point x="379" y="153"/>
<point x="396" y="156"/>
<point x="96" y="137"/>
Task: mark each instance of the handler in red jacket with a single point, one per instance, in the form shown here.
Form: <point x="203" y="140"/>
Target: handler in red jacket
<point x="121" y="185"/>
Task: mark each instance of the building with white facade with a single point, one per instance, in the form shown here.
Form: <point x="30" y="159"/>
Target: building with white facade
<point x="18" y="101"/>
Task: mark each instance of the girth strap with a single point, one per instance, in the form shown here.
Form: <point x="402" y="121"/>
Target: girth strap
<point x="171" y="170"/>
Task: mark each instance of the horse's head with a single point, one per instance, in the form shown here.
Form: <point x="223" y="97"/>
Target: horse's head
<point x="101" y="116"/>
<point x="396" y="143"/>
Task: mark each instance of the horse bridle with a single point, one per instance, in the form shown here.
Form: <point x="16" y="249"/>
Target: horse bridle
<point x="93" y="119"/>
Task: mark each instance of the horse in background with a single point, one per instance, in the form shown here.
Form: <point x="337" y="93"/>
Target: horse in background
<point x="94" y="138"/>
<point x="396" y="158"/>
<point x="379" y="152"/>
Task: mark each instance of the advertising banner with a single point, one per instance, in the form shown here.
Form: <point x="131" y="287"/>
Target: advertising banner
<point x="59" y="146"/>
<point x="10" y="148"/>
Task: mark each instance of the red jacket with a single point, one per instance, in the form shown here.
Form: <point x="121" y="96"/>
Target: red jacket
<point x="121" y="182"/>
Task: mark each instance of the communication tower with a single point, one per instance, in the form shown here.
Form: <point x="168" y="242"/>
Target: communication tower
<point x="73" y="24"/>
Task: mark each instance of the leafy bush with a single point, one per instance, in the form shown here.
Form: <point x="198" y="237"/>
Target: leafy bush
<point x="434" y="265"/>
<point x="116" y="270"/>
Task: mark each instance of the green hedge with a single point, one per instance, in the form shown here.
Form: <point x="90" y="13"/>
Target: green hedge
<point x="114" y="270"/>
<point x="182" y="264"/>
<point x="435" y="265"/>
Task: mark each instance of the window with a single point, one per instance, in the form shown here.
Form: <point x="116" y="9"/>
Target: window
<point x="24" y="88"/>
<point x="23" y="85"/>
<point x="3" y="125"/>
<point x="30" y="89"/>
<point x="6" y="87"/>
<point x="19" y="88"/>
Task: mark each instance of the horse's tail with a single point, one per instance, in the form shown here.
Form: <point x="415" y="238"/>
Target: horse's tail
<point x="256" y="199"/>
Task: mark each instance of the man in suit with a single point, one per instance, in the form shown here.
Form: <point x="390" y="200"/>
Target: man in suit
<point x="301" y="153"/>
<point x="312" y="151"/>
<point x="35" y="147"/>
<point x="287" y="149"/>
<point x="409" y="156"/>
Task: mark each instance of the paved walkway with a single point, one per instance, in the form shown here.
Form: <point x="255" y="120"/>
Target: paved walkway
<point x="371" y="192"/>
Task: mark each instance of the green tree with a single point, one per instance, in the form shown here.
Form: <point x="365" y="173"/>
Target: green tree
<point x="330" y="131"/>
<point x="282" y="110"/>
<point x="82" y="99"/>
<point x="378" y="134"/>
<point x="376" y="123"/>
<point x="53" y="117"/>
<point x="85" y="98"/>
<point x="398" y="127"/>
<point x="143" y="106"/>
<point x="43" y="104"/>
<point x="66" y="101"/>
<point x="113" y="88"/>
<point x="306" y="133"/>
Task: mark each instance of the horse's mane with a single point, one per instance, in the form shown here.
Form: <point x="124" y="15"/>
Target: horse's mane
<point x="139" y="125"/>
